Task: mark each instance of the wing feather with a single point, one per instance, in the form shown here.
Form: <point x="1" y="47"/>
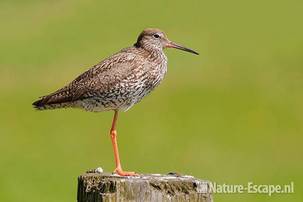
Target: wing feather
<point x="100" y="78"/>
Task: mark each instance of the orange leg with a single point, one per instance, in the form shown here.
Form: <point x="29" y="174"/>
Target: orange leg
<point x="113" y="134"/>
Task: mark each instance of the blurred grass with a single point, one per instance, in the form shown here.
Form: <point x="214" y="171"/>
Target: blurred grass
<point x="234" y="114"/>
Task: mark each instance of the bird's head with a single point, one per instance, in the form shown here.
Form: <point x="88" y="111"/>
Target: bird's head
<point x="155" y="39"/>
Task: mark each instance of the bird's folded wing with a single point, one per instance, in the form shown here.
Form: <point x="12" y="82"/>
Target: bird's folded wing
<point x="100" y="78"/>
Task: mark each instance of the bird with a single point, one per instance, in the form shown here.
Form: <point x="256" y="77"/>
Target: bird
<point x="117" y="82"/>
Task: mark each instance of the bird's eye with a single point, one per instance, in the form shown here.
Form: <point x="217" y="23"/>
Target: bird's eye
<point x="156" y="35"/>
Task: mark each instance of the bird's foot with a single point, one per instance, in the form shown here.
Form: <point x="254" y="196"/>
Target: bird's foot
<point x="120" y="172"/>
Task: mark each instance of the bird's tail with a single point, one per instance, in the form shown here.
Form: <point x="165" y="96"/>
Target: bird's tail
<point x="39" y="104"/>
<point x="58" y="99"/>
<point x="43" y="105"/>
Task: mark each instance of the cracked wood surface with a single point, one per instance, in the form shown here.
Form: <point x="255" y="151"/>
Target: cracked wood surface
<point x="94" y="186"/>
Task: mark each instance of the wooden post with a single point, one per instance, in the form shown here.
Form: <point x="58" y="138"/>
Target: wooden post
<point x="95" y="187"/>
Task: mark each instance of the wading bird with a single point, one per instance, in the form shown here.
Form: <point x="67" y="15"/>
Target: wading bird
<point x="118" y="82"/>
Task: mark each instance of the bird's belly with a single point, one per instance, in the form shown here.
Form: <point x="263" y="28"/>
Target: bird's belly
<point x="130" y="95"/>
<point x="122" y="96"/>
<point x="127" y="92"/>
<point x="123" y="100"/>
<point x="142" y="86"/>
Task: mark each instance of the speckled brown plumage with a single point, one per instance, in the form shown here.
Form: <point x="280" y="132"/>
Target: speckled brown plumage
<point x="118" y="82"/>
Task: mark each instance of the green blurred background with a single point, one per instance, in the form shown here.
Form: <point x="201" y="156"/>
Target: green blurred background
<point x="233" y="114"/>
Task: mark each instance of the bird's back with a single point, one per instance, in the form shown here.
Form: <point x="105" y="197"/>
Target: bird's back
<point x="117" y="82"/>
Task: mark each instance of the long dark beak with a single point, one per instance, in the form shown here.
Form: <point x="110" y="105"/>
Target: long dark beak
<point x="174" y="45"/>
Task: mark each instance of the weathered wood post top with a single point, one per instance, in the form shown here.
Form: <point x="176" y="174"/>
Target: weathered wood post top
<point x="95" y="186"/>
